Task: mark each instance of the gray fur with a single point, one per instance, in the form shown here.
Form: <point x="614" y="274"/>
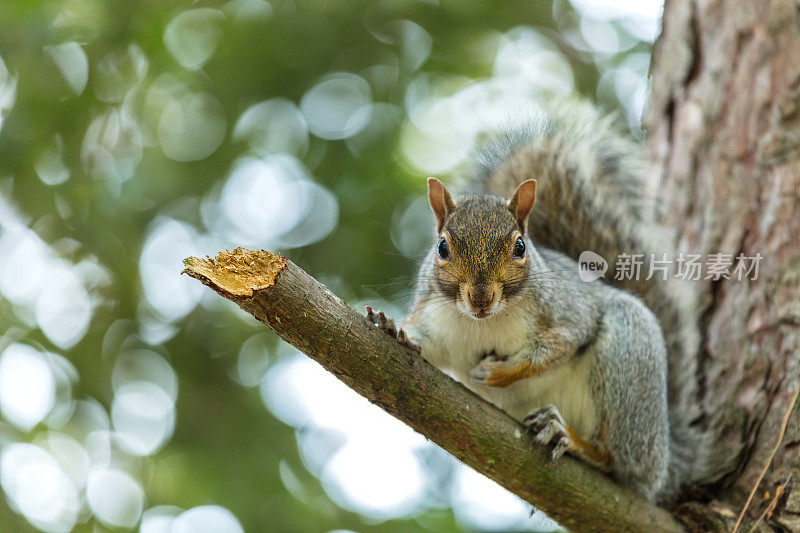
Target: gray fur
<point x="629" y="370"/>
<point x="631" y="377"/>
<point x="594" y="192"/>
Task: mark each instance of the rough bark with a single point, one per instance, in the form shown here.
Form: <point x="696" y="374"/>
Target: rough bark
<point x="304" y="313"/>
<point x="724" y="126"/>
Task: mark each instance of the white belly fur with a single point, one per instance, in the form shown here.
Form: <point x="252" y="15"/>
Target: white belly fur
<point x="457" y="343"/>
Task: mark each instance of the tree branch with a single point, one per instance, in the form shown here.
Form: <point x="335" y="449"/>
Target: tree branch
<point x="306" y="314"/>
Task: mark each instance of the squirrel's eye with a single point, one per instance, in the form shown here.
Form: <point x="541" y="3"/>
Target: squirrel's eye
<point x="519" y="248"/>
<point x="443" y="249"/>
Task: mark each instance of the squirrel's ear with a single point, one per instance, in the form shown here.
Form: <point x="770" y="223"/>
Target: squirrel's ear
<point x="440" y="201"/>
<point x="522" y="202"/>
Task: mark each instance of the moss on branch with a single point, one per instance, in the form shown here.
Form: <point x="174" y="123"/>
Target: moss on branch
<point x="307" y="315"/>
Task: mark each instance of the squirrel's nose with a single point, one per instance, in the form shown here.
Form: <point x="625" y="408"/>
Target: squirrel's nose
<point x="480" y="297"/>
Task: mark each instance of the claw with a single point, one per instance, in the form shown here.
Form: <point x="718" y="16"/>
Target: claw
<point x="564" y="444"/>
<point x="548" y="427"/>
<point x="403" y="339"/>
<point x="388" y="326"/>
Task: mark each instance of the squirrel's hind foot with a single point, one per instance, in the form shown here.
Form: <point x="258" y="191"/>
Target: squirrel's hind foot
<point x="547" y="428"/>
<point x="387" y="325"/>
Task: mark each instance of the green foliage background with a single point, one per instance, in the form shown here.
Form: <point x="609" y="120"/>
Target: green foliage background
<point x="227" y="448"/>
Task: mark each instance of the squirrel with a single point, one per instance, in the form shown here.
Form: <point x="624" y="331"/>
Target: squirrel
<point x="598" y="371"/>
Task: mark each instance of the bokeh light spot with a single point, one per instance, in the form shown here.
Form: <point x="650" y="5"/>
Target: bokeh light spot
<point x="115" y="497"/>
<point x="63" y="310"/>
<point x="381" y="482"/>
<point x="23" y="259"/>
<point x="119" y="72"/>
<point x="207" y="519"/>
<point x="71" y="60"/>
<point x="50" y="165"/>
<point x="412" y="40"/>
<point x="143" y="416"/>
<point x="145" y="365"/>
<point x="273" y="126"/>
<point x="8" y="91"/>
<point x="191" y="127"/>
<point x="27" y="386"/>
<point x="37" y="488"/>
<point x="192" y="36"/>
<point x="112" y="147"/>
<point x="271" y="203"/>
<point x="248" y="10"/>
<point x="167" y="244"/>
<point x="486" y="506"/>
<point x="330" y="105"/>
<point x="159" y="519"/>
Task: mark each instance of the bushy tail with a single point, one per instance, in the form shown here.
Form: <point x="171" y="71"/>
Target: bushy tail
<point x="596" y="192"/>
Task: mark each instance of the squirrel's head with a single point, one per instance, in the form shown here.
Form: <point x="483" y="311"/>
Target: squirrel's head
<point x="482" y="253"/>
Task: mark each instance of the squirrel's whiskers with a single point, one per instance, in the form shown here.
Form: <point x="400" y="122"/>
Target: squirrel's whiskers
<point x="499" y="303"/>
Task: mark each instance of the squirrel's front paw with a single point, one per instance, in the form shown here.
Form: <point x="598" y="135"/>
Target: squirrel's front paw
<point x="382" y="322"/>
<point x="548" y="427"/>
<point x="501" y="370"/>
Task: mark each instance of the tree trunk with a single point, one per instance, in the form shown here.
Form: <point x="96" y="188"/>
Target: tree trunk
<point x="724" y="128"/>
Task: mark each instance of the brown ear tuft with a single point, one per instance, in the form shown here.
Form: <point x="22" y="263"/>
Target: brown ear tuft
<point x="522" y="202"/>
<point x="440" y="201"/>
